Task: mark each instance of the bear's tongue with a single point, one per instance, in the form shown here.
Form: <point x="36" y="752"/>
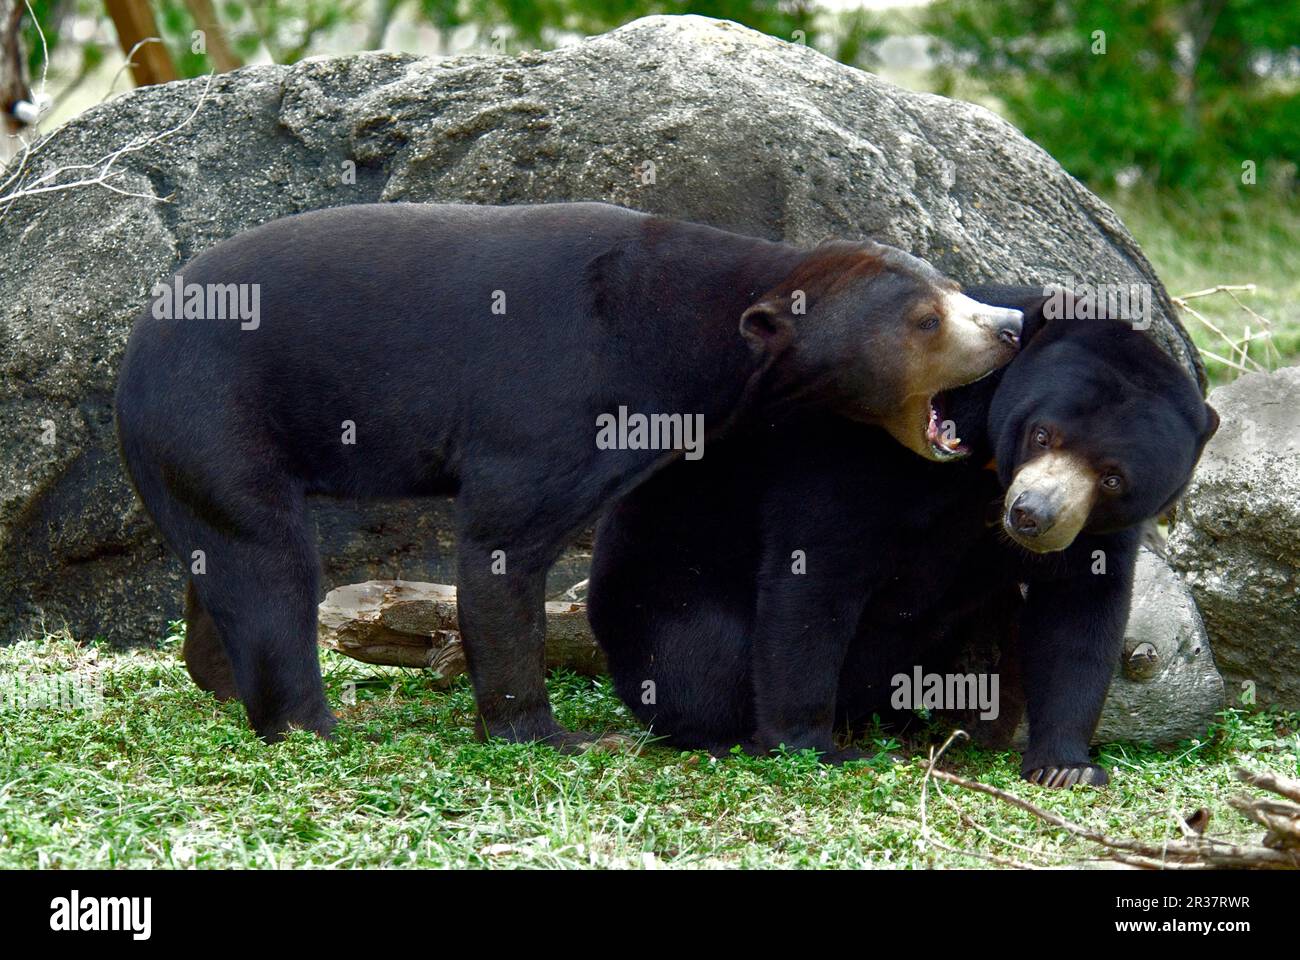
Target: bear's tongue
<point x="940" y="441"/>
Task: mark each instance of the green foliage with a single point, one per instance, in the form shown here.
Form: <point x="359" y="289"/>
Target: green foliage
<point x="177" y="26"/>
<point x="537" y="22"/>
<point x="1182" y="91"/>
<point x="1178" y="92"/>
<point x="1199" y="239"/>
<point x="289" y="30"/>
<point x="857" y="35"/>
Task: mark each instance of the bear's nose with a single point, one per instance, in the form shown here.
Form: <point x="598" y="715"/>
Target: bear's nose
<point x="1023" y="518"/>
<point x="1009" y="324"/>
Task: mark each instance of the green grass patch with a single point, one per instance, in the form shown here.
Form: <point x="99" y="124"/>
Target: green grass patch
<point x="1199" y="242"/>
<point x="160" y="775"/>
<point x="1196" y="240"/>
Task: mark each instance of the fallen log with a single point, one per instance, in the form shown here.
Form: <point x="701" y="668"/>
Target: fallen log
<point x="401" y="623"/>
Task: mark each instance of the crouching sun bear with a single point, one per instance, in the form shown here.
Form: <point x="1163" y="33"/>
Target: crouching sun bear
<point x="769" y="594"/>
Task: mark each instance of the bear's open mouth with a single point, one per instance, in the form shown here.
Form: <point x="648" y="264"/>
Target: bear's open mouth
<point x="942" y="434"/>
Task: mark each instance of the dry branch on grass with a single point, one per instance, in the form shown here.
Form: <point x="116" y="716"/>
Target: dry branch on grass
<point x="1238" y="357"/>
<point x="1278" y="850"/>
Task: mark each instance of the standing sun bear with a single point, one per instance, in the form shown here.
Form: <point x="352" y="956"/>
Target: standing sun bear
<point x="406" y="350"/>
<point x="770" y="593"/>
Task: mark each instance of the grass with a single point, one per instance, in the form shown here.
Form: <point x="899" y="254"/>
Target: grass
<point x="163" y="776"/>
<point x="1196" y="243"/>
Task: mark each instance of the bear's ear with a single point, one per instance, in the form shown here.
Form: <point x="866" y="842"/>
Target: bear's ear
<point x="767" y="326"/>
<point x="1211" y="424"/>
<point x="1056" y="303"/>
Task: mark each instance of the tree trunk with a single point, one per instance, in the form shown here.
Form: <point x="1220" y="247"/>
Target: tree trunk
<point x="13" y="64"/>
<point x="205" y="18"/>
<point x="152" y="63"/>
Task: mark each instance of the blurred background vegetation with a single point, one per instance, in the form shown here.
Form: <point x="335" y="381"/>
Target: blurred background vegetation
<point x="1183" y="114"/>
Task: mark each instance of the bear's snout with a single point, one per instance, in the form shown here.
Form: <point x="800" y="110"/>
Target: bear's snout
<point x="1049" y="501"/>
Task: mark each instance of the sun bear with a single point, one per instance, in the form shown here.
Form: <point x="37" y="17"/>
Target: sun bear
<point x="395" y="350"/>
<point x="769" y="594"/>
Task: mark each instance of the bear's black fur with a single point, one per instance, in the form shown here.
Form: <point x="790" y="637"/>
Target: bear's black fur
<point x="714" y="639"/>
<point x="407" y="350"/>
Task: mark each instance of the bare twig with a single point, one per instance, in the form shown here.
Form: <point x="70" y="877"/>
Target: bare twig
<point x="1273" y="782"/>
<point x="970" y="822"/>
<point x="925" y="822"/>
<point x="130" y="60"/>
<point x="45" y="50"/>
<point x="1239" y="357"/>
<point x="1213" y="328"/>
<point x="103" y="167"/>
<point x="1228" y="363"/>
<point x="1221" y="288"/>
<point x="1280" y="848"/>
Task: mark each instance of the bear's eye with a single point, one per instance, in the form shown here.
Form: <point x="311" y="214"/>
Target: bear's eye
<point x="1041" y="437"/>
<point x="1112" y="482"/>
<point x="930" y="322"/>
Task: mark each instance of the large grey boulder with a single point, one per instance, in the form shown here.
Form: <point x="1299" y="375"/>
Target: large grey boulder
<point x="1165" y="688"/>
<point x="1237" y="537"/>
<point x="689" y="117"/>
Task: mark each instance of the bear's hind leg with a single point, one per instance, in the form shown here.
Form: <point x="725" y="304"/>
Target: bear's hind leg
<point x="204" y="653"/>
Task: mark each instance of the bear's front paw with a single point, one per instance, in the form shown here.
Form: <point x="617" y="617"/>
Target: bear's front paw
<point x="1066" y="775"/>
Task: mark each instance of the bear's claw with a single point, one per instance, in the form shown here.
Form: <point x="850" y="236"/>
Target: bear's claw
<point x="1068" y="775"/>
